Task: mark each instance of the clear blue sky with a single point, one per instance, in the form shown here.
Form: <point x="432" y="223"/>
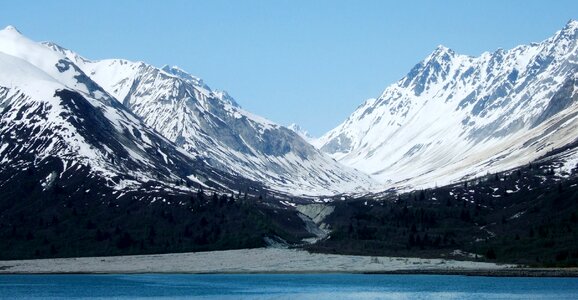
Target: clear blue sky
<point x="306" y="61"/>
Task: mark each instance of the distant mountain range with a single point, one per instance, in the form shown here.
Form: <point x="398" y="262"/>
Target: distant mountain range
<point x="451" y="118"/>
<point x="454" y="117"/>
<point x="115" y="157"/>
<point x="153" y="124"/>
<point x="54" y="113"/>
<point x="210" y="125"/>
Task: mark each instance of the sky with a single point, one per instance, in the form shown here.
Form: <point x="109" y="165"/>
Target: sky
<point x="310" y="62"/>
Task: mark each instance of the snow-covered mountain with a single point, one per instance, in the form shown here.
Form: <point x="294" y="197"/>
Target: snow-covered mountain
<point x="209" y="124"/>
<point x="454" y="116"/>
<point x="52" y="113"/>
<point x="301" y="132"/>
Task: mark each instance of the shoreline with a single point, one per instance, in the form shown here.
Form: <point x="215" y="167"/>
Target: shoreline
<point x="524" y="273"/>
<point x="521" y="273"/>
<point x="511" y="272"/>
<point x="271" y="261"/>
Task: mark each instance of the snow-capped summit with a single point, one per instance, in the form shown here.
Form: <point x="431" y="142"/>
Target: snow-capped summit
<point x="455" y="116"/>
<point x="210" y="125"/>
<point x="54" y="64"/>
<point x="571" y="27"/>
<point x="11" y="28"/>
<point x="441" y="52"/>
<point x="52" y="114"/>
<point x="178" y="72"/>
<point x="301" y="132"/>
<point x="225" y="97"/>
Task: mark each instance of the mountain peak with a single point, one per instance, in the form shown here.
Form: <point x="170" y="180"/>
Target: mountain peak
<point x="568" y="33"/>
<point x="12" y="29"/>
<point x="571" y="25"/>
<point x="295" y="127"/>
<point x="441" y="49"/>
<point x="441" y="52"/>
<point x="176" y="71"/>
<point x="173" y="69"/>
<point x="225" y="97"/>
<point x="410" y="135"/>
<point x="300" y="131"/>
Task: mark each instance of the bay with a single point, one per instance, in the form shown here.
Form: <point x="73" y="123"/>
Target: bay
<point x="283" y="286"/>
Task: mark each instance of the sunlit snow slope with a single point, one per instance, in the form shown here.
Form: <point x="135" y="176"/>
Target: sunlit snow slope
<point x="209" y="124"/>
<point x="455" y="116"/>
<point x="51" y="113"/>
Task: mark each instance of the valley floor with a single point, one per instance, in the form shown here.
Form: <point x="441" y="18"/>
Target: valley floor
<point x="261" y="260"/>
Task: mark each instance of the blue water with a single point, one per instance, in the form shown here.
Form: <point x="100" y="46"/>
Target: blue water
<point x="283" y="286"/>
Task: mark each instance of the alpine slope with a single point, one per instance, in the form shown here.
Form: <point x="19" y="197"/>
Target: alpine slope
<point x="211" y="127"/>
<point x="454" y="117"/>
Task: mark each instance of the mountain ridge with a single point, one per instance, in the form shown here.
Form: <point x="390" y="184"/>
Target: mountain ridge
<point x="453" y="117"/>
<point x="211" y="124"/>
<point x="51" y="110"/>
